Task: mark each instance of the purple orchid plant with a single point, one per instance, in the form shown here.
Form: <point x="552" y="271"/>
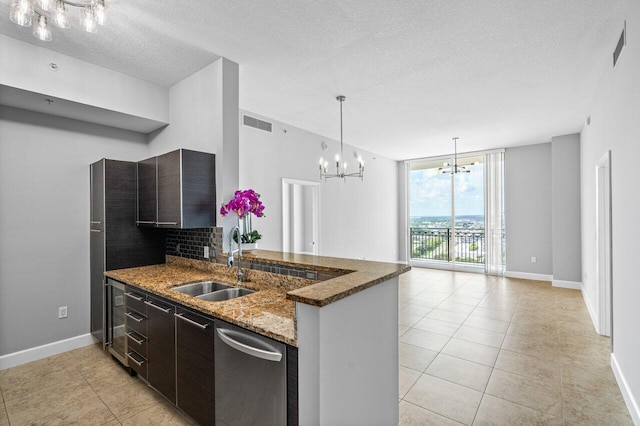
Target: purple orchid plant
<point x="244" y="204"/>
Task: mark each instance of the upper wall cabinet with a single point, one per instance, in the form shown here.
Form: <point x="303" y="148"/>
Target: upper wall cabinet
<point x="177" y="190"/>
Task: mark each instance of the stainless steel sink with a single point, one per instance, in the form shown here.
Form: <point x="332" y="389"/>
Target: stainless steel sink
<point x="196" y="289"/>
<point x="226" y="294"/>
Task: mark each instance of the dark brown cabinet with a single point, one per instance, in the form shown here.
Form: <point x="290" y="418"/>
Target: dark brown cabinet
<point x="115" y="241"/>
<point x="147" y="196"/>
<point x="195" y="372"/>
<point x="136" y="330"/>
<point x="177" y="190"/>
<point x="161" y="347"/>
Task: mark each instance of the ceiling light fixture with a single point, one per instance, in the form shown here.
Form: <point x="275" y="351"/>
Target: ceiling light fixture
<point x="341" y="168"/>
<point x="91" y="14"/>
<point x="455" y="168"/>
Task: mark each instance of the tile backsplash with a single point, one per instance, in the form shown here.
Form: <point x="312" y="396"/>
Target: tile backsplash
<point x="190" y="243"/>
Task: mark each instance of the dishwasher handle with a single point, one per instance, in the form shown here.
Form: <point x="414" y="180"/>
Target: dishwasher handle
<point x="224" y="335"/>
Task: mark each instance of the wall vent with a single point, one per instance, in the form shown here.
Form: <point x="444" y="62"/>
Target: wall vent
<point x="621" y="43"/>
<point x="247" y="120"/>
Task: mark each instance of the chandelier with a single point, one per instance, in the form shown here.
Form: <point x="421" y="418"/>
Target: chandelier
<point x="455" y="168"/>
<point x="341" y="167"/>
<point x="91" y="13"/>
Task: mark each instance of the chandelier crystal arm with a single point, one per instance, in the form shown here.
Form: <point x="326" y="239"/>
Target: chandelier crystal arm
<point x="91" y="12"/>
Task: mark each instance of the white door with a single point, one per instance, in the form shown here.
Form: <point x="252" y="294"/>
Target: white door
<point x="603" y="245"/>
<point x="300" y="216"/>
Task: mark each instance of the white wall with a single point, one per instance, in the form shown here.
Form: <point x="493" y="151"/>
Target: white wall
<point x="204" y="117"/>
<point x="26" y="66"/>
<point x="348" y="364"/>
<point x="528" y="209"/>
<point x="615" y="126"/>
<point x="565" y="210"/>
<point x="358" y="219"/>
<point x="44" y="222"/>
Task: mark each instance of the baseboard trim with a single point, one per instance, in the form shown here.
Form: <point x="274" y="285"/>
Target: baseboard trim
<point x="573" y="285"/>
<point x="591" y="310"/>
<point x="630" y="401"/>
<point x="43" y="351"/>
<point x="528" y="276"/>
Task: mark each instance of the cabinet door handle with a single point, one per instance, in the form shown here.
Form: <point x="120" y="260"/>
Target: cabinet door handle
<point x="138" y="341"/>
<point x="145" y="222"/>
<point x="134" y="296"/>
<point x="134" y="360"/>
<point x="166" y="223"/>
<point x="96" y="222"/>
<point x="94" y="230"/>
<point x="160" y="308"/>
<point x="133" y="317"/>
<point x="196" y="323"/>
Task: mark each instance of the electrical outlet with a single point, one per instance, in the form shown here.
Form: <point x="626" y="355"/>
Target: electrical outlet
<point x="533" y="259"/>
<point x="206" y="252"/>
<point x="62" y="312"/>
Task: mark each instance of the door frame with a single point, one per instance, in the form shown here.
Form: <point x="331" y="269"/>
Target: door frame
<point x="286" y="220"/>
<point x="604" y="274"/>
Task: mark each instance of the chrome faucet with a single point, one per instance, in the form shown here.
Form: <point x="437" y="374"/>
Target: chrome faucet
<point x="232" y="252"/>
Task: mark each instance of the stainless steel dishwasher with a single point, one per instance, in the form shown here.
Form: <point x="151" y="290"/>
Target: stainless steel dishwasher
<point x="250" y="378"/>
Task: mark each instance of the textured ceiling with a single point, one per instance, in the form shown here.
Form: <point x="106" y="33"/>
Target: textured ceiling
<point x="415" y="73"/>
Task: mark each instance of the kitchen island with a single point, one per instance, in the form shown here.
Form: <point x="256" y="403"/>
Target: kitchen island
<point x="341" y="314"/>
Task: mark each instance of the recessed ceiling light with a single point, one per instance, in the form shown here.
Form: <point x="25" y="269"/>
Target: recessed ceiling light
<point x="53" y="66"/>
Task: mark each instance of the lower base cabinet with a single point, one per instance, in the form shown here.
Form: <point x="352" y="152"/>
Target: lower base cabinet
<point x="185" y="356"/>
<point x="161" y="347"/>
<point x="195" y="373"/>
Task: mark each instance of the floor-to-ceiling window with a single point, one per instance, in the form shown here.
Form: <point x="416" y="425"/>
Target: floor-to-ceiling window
<point x="448" y="211"/>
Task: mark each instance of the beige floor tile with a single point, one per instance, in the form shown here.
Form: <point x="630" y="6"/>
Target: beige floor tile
<point x="407" y="319"/>
<point x="579" y="329"/>
<point x="415" y="357"/>
<point x="402" y="329"/>
<point x="544" y="395"/>
<point x="412" y="415"/>
<point x="470" y="351"/>
<point x="585" y="409"/>
<point x="130" y="399"/>
<point x="109" y="376"/>
<point x="445" y="398"/>
<point x="470" y="300"/>
<point x="488" y="324"/>
<point x="425" y="339"/>
<point x="541" y="346"/>
<point x="493" y="314"/>
<point x="461" y="308"/>
<point x="452" y="317"/>
<point x="407" y="378"/>
<point x="161" y="414"/>
<point x="460" y="371"/>
<point x="496" y="411"/>
<point x="412" y="308"/>
<point x="533" y="328"/>
<point x="4" y="420"/>
<point x="592" y="382"/>
<point x="477" y="335"/>
<point x="71" y="403"/>
<point x="40" y="377"/>
<point x="529" y="366"/>
<point x="437" y="326"/>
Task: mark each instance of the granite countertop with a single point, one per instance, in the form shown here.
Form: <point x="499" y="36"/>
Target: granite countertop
<point x="269" y="311"/>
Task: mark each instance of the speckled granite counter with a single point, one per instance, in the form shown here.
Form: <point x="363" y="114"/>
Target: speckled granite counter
<point x="269" y="311"/>
<point x="357" y="275"/>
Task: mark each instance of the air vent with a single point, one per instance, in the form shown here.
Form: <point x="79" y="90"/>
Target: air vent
<point x="621" y="43"/>
<point x="256" y="123"/>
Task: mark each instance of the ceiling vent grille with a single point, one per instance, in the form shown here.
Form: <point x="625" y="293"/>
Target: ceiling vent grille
<point x="621" y="43"/>
<point x="247" y="120"/>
